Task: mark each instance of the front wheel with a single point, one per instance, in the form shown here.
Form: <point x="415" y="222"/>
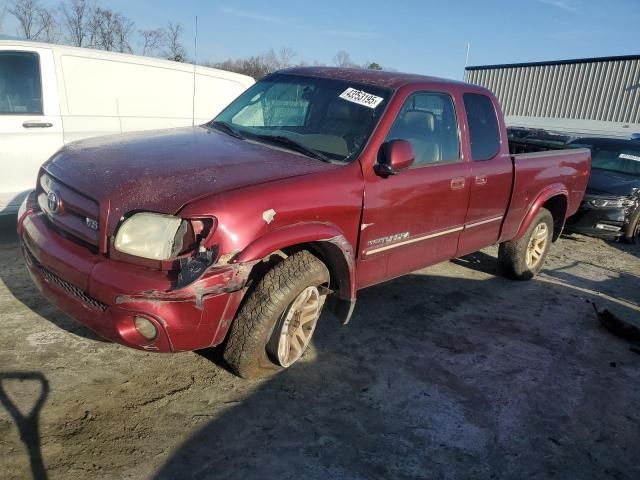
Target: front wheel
<point x="522" y="259"/>
<point x="274" y="327"/>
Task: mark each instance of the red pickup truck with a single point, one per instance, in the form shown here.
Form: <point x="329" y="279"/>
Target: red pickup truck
<point x="313" y="184"/>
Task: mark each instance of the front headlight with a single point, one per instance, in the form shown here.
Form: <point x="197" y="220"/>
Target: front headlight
<point x="612" y="202"/>
<point x="151" y="235"/>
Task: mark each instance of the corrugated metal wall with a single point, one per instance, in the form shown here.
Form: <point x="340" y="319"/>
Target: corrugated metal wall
<point x="596" y="90"/>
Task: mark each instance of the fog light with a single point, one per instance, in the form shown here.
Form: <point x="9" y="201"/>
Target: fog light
<point x="146" y="328"/>
<point x="608" y="228"/>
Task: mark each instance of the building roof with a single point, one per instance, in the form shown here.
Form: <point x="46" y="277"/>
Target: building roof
<point x="556" y="62"/>
<point x="380" y="78"/>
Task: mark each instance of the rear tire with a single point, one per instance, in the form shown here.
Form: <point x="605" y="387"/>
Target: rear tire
<point x="522" y="259"/>
<point x="274" y="326"/>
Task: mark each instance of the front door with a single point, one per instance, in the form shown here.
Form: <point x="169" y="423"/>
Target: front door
<point x="30" y="124"/>
<point x="415" y="218"/>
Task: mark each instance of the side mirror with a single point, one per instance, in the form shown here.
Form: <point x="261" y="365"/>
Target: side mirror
<point x="396" y="155"/>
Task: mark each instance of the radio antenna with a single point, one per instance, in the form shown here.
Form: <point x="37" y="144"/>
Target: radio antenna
<point x="195" y="61"/>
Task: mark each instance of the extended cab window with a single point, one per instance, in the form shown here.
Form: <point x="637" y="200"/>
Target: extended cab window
<point x="483" y="126"/>
<point x="428" y="121"/>
<point x="20" y="91"/>
<point x="326" y="118"/>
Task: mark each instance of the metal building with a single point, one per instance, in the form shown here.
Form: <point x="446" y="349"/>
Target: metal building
<point x="590" y="95"/>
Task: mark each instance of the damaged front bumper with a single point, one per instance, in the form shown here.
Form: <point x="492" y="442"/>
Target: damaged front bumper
<point x="604" y="222"/>
<point x="107" y="296"/>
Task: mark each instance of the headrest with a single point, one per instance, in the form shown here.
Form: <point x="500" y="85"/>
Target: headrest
<point x="339" y="110"/>
<point x="419" y="120"/>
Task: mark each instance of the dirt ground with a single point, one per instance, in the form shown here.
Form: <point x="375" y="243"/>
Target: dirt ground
<point x="452" y="372"/>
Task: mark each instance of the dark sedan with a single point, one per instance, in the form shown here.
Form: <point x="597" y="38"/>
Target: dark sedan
<point x="611" y="206"/>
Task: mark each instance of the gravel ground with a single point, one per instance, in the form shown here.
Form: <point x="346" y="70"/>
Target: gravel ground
<point x="451" y="372"/>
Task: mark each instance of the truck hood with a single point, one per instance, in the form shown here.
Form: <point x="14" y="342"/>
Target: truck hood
<point x="605" y="182"/>
<point x="162" y="171"/>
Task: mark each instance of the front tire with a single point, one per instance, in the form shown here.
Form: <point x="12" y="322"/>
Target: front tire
<point x="273" y="328"/>
<point x="522" y="259"/>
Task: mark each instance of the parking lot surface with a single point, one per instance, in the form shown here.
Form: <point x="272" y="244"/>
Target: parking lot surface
<point x="452" y="372"/>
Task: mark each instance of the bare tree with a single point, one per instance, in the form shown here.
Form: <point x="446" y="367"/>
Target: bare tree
<point x="256" y="66"/>
<point x="27" y="13"/>
<point x="48" y="26"/>
<point x="343" y="59"/>
<point x="285" y="57"/>
<point x="174" y="49"/>
<point x="260" y="65"/>
<point x="276" y="61"/>
<point x="109" y="30"/>
<point x="124" y="29"/>
<point x="153" y="41"/>
<point x="76" y="17"/>
<point x="3" y="13"/>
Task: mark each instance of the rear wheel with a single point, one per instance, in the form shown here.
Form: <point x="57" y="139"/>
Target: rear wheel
<point x="522" y="259"/>
<point x="273" y="328"/>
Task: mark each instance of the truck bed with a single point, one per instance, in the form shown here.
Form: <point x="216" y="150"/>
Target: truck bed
<point x="532" y="171"/>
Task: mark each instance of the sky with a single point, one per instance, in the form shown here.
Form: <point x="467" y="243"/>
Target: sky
<point x="419" y="36"/>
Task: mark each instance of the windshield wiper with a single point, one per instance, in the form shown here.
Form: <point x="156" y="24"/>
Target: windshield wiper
<point x="297" y="146"/>
<point x="227" y="128"/>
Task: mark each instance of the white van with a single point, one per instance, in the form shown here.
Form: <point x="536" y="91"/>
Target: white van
<point x="51" y="95"/>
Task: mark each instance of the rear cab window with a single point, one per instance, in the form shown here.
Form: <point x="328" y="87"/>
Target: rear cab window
<point x="484" y="133"/>
<point x="20" y="84"/>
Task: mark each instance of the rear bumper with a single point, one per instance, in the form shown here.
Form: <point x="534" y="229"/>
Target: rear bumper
<point x="106" y="295"/>
<point x="608" y="223"/>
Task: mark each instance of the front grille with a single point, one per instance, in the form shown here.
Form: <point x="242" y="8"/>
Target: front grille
<point x="63" y="284"/>
<point x="74" y="213"/>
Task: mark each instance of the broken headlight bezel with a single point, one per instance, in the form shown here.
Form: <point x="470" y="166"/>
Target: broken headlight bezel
<point x="153" y="236"/>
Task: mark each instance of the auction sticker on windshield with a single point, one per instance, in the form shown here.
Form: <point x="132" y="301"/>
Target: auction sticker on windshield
<point x="626" y="156"/>
<point x="361" y="98"/>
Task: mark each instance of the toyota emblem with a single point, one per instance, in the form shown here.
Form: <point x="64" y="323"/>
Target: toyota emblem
<point x="53" y="202"/>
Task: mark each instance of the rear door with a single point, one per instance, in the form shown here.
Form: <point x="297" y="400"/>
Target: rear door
<point x="491" y="174"/>
<point x="30" y="125"/>
<point x="414" y="219"/>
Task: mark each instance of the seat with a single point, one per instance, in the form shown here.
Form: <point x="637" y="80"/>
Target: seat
<point x="418" y="126"/>
<point x="338" y="120"/>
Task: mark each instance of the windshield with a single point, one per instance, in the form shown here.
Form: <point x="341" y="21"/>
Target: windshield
<point x="624" y="160"/>
<point x="326" y="118"/>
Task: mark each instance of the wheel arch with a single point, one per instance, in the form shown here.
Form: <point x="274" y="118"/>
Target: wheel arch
<point x="325" y="241"/>
<point x="557" y="205"/>
<point x="555" y="199"/>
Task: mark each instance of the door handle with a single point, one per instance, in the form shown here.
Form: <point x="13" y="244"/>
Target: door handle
<point x="457" y="183"/>
<point x="35" y="124"/>
<point x="481" y="180"/>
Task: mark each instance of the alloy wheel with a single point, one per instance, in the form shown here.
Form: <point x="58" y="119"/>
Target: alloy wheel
<point x="537" y="245"/>
<point x="295" y="329"/>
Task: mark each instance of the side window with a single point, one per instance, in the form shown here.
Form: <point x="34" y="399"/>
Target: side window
<point x="428" y="121"/>
<point x="282" y="105"/>
<point x="483" y="126"/>
<point x="20" y="91"/>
